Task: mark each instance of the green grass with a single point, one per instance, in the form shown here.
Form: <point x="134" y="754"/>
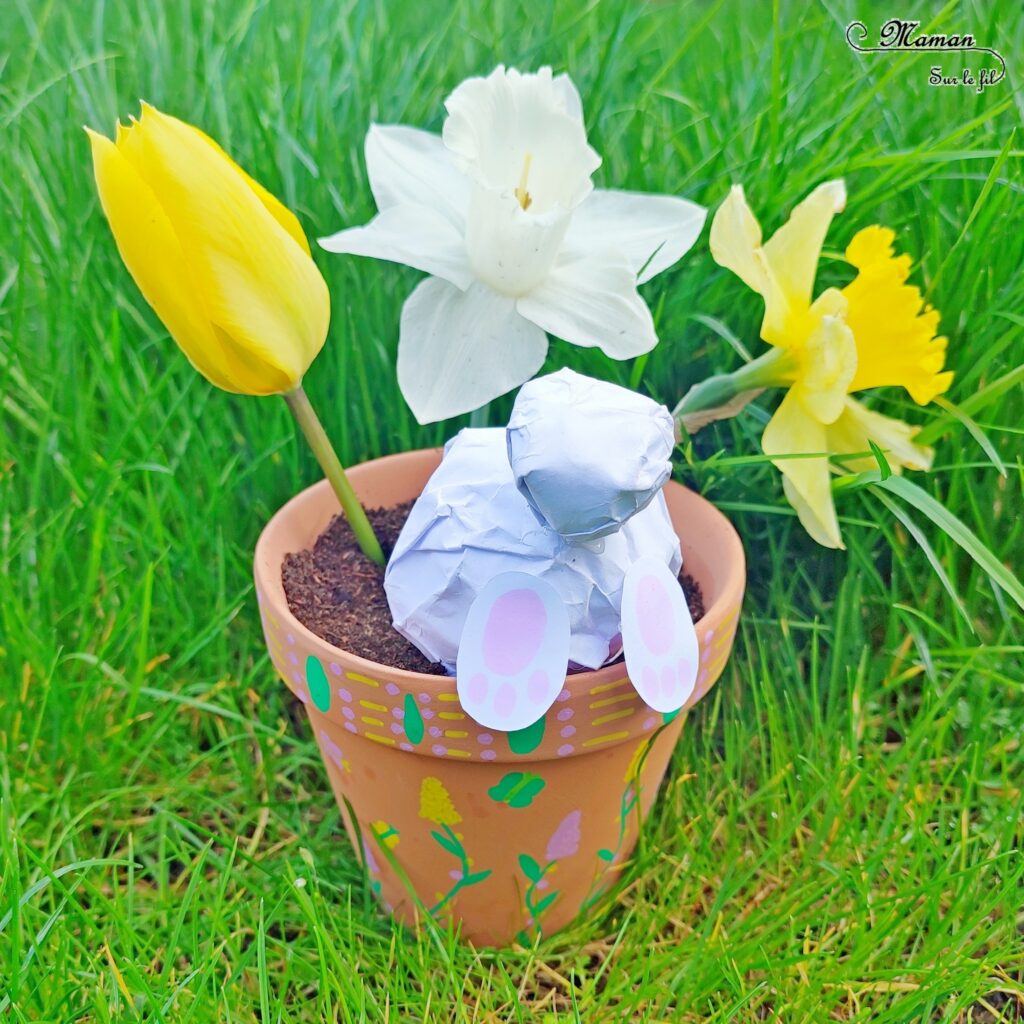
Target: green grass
<point x="839" y="835"/>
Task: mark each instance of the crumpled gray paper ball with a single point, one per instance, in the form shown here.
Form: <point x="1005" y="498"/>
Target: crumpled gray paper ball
<point x="472" y="523"/>
<point x="587" y="454"/>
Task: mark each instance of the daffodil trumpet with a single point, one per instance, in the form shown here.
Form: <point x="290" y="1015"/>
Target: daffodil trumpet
<point x="877" y="331"/>
<point x="226" y="267"/>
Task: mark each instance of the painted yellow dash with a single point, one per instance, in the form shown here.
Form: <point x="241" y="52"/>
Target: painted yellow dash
<point x="456" y="734"/>
<point x="451" y="716"/>
<point x="608" y="701"/>
<point x="356" y="677"/>
<point x="370" y="706"/>
<point x="448" y="696"/>
<point x="604" y="687"/>
<point x="614" y="716"/>
<point x="373" y="721"/>
<point x="605" y="739"/>
<point x="386" y="740"/>
<point x="452" y="752"/>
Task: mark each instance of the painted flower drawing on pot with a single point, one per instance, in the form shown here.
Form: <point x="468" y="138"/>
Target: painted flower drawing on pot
<point x="501" y="210"/>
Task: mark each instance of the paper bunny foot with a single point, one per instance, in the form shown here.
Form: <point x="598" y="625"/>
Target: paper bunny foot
<point x="513" y="652"/>
<point x="658" y="638"/>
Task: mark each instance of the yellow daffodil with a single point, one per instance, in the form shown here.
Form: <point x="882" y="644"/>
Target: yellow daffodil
<point x="877" y="331"/>
<point x="225" y="266"/>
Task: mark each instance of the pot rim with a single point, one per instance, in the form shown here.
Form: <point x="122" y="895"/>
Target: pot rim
<point x="268" y="578"/>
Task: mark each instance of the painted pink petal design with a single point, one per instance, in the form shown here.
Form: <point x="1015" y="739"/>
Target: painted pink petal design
<point x="565" y="840"/>
<point x="513" y="652"/>
<point x="658" y="638"/>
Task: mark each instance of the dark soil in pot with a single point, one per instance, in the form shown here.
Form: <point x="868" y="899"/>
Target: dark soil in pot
<point x="335" y="591"/>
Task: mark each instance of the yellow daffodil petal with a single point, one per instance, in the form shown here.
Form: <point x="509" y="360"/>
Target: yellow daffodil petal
<point x="736" y="245"/>
<point x="858" y="425"/>
<point x="828" y="362"/>
<point x="794" y="250"/>
<point x="894" y="328"/>
<point x="151" y="252"/>
<point x="261" y="290"/>
<point x="794" y="431"/>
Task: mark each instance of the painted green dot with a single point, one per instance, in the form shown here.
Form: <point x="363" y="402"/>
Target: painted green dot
<point x="671" y="715"/>
<point x="319" y="688"/>
<point x="412" y="720"/>
<point x="522" y="741"/>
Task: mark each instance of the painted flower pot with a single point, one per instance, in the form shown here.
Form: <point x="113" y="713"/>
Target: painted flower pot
<point x="507" y="833"/>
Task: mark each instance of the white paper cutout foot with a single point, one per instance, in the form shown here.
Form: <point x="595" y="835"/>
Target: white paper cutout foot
<point x="658" y="638"/>
<point x="513" y="652"/>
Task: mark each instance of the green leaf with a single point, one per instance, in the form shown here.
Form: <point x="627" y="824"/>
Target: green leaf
<point x="883" y="462"/>
<point x="929" y="553"/>
<point x="543" y="904"/>
<point x="958" y="531"/>
<point x="517" y="789"/>
<point x="530" y="867"/>
<point x="451" y="847"/>
<point x="476" y="876"/>
<point x="974" y="430"/>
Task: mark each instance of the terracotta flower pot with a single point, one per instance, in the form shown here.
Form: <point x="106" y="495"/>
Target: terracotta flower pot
<point x="507" y="833"/>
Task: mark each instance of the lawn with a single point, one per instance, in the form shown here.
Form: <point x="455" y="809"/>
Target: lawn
<point x="839" y="834"/>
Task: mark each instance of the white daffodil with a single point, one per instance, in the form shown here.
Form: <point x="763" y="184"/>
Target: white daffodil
<point x="501" y="211"/>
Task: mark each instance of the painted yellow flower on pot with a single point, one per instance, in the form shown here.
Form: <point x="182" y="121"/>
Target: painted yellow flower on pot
<point x="435" y="803"/>
<point x="877" y="331"/>
<point x="225" y="266"/>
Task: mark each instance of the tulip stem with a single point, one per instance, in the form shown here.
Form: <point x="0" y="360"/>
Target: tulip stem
<point x="354" y="512"/>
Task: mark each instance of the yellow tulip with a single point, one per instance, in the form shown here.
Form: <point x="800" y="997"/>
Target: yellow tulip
<point x="225" y="266"/>
<point x="876" y="331"/>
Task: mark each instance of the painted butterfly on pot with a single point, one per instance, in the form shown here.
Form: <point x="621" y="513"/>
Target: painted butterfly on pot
<point x="547" y="546"/>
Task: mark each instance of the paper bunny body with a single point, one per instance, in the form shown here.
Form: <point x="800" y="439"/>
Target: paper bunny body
<point x="545" y="545"/>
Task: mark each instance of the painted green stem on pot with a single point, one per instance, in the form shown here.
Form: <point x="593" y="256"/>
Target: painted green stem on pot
<point x="315" y="434"/>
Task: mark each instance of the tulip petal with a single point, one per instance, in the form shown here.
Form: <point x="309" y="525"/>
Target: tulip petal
<point x="858" y="425"/>
<point x="411" y="234"/>
<point x="258" y="285"/>
<point x="651" y="231"/>
<point x="794" y="431"/>
<point x="593" y="302"/>
<point x="407" y="165"/>
<point x="794" y="250"/>
<point x="151" y="252"/>
<point x="457" y="350"/>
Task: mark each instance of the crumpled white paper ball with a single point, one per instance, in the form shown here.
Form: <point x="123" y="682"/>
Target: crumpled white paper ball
<point x="587" y="454"/>
<point x="472" y="523"/>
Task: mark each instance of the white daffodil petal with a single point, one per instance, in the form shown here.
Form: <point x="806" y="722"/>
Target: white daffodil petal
<point x="407" y="165"/>
<point x="651" y="231"/>
<point x="512" y="133"/>
<point x="566" y="88"/>
<point x="509" y="248"/>
<point x="414" y="235"/>
<point x="593" y="302"/>
<point x="857" y="425"/>
<point x="793" y="251"/>
<point x="458" y="350"/>
<point x="794" y="431"/>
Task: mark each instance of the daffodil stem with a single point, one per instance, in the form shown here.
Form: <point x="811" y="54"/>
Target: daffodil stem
<point x="313" y="430"/>
<point x="726" y="393"/>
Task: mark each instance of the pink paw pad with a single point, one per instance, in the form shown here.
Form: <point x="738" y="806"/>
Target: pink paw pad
<point x="513" y="652"/>
<point x="658" y="637"/>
